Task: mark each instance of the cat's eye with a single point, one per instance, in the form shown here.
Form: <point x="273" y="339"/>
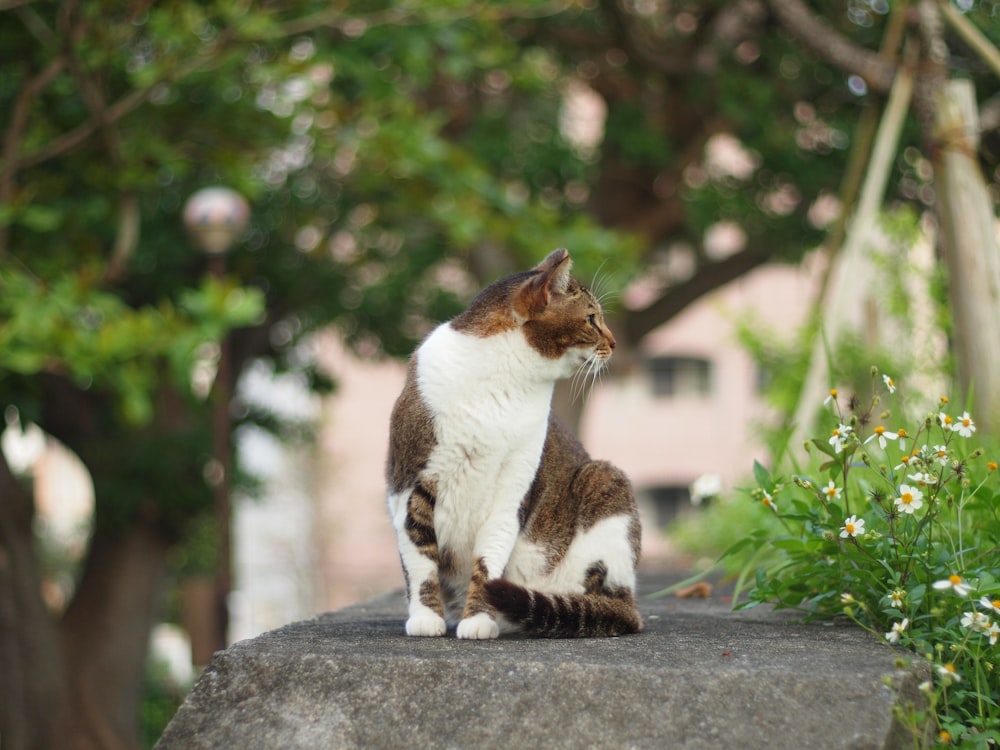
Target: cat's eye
<point x="592" y="319"/>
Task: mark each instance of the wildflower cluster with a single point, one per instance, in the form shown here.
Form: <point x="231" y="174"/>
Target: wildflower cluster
<point x="898" y="530"/>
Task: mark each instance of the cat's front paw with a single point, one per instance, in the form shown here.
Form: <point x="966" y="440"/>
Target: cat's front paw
<point x="429" y="625"/>
<point x="478" y="627"/>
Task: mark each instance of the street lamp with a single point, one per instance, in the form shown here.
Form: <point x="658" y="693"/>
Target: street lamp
<point x="216" y="217"/>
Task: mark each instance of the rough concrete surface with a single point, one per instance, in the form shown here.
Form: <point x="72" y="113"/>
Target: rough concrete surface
<point x="700" y="676"/>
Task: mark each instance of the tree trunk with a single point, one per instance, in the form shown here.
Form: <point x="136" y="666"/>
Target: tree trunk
<point x="968" y="235"/>
<point x="969" y="247"/>
<point x="31" y="673"/>
<point x="105" y="635"/>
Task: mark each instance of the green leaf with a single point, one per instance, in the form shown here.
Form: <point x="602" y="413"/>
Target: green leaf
<point x="824" y="447"/>
<point x="763" y="476"/>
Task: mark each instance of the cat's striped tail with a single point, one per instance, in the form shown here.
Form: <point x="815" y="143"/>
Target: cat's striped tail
<point x="593" y="614"/>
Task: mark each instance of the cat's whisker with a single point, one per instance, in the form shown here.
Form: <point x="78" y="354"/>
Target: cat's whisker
<point x="601" y="290"/>
<point x="599" y="281"/>
<point x="586" y="378"/>
<point x="600" y="287"/>
<point x="579" y="382"/>
<point x="598" y="376"/>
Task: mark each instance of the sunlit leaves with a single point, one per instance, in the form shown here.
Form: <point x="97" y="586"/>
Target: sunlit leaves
<point x="69" y="327"/>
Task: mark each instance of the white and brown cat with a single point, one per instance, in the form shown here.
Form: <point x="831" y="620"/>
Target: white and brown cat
<point x="503" y="520"/>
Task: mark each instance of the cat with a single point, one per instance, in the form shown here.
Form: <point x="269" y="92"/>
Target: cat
<point x="503" y="521"/>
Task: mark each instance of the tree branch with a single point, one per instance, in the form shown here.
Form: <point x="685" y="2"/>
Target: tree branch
<point x="15" y="131"/>
<point x="817" y="35"/>
<point x="708" y="277"/>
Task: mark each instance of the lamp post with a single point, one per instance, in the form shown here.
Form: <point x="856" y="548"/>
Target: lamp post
<point x="216" y="217"/>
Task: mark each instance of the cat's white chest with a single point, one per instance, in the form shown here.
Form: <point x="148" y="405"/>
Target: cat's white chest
<point x="487" y="392"/>
<point x="490" y="401"/>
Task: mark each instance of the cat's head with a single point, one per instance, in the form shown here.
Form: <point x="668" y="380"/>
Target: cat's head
<point x="559" y="317"/>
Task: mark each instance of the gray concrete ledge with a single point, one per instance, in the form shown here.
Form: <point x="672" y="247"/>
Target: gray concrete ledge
<point x="700" y="676"/>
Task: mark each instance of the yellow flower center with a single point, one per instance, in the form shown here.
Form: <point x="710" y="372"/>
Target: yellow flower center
<point x="992" y="465"/>
<point x="833" y="392"/>
<point x="947" y="419"/>
<point x="879" y="430"/>
<point x="849" y="527"/>
<point x="950" y="668"/>
<point x="906" y="498"/>
<point x="902" y="433"/>
<point x="996" y="603"/>
<point x="966" y="422"/>
<point x="955" y="580"/>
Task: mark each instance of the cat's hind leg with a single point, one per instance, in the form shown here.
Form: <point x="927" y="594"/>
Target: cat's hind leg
<point x="413" y="518"/>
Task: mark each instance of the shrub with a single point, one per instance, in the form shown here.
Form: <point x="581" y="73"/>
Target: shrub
<point x="896" y="527"/>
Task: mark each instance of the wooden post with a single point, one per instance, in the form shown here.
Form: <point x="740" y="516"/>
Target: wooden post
<point x="848" y="274"/>
<point x="969" y="247"/>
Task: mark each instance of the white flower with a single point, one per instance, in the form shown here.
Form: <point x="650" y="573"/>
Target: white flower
<point x="945" y="421"/>
<point x="922" y="478"/>
<point x="977" y="622"/>
<point x="831" y="491"/>
<point x="847" y="598"/>
<point x="898" y="628"/>
<point x="955" y="583"/>
<point x="831" y="397"/>
<point x="993" y="631"/>
<point x="704" y="488"/>
<point x="889" y="383"/>
<point x="879" y="434"/>
<point x="901" y="434"/>
<point x="964" y="426"/>
<point x="941" y="454"/>
<point x="769" y="501"/>
<point x="839" y="437"/>
<point x="948" y="671"/>
<point x="896" y="598"/>
<point x="853" y="527"/>
<point x="910" y="499"/>
<point x="904" y="463"/>
<point x="991" y="604"/>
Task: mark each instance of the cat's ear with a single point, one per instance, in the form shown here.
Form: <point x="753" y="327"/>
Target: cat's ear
<point x="552" y="278"/>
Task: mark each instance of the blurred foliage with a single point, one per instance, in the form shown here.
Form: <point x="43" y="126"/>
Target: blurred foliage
<point x="162" y="697"/>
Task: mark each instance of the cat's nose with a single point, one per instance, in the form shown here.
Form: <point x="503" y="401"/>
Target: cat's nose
<point x="611" y="341"/>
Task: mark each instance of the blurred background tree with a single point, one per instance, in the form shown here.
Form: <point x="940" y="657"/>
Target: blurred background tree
<point x="396" y="156"/>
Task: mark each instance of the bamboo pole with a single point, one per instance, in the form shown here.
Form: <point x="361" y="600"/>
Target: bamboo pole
<point x="847" y="273"/>
<point x="972" y="36"/>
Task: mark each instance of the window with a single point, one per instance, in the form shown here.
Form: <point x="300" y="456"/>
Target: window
<point x="680" y="376"/>
<point x="667" y="501"/>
